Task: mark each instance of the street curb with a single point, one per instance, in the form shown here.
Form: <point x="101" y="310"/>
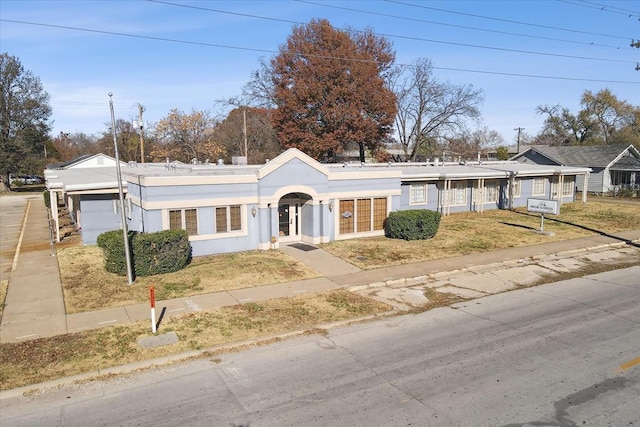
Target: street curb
<point x="395" y="283"/>
<point x="132" y="368"/>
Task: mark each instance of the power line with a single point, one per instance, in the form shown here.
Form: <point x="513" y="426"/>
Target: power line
<point x="535" y="76"/>
<point x="163" y="39"/>
<point x="113" y="33"/>
<point x="507" y="20"/>
<point x="455" y="25"/>
<point x="528" y="52"/>
<point x="603" y="7"/>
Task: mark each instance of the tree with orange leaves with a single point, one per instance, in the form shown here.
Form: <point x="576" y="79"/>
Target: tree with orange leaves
<point x="330" y="92"/>
<point x="187" y="137"/>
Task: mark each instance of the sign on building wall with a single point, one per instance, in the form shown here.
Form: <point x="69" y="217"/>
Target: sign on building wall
<point x="543" y="206"/>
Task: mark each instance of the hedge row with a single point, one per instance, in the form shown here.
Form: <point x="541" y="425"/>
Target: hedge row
<point x="152" y="253"/>
<point x="418" y="224"/>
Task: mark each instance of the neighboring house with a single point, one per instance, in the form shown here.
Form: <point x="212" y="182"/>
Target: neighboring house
<point x="611" y="165"/>
<point x="86" y="178"/>
<point x="231" y="208"/>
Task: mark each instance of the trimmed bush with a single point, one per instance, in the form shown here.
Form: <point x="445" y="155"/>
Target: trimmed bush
<point x="417" y="224"/>
<point x="152" y="253"/>
<point x="112" y="245"/>
<point x="161" y="252"/>
<point x="47" y="198"/>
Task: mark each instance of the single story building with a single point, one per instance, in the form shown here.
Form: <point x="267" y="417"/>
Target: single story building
<point x="612" y="166"/>
<point x="231" y="208"/>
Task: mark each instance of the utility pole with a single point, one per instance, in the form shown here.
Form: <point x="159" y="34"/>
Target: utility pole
<point x="519" y="130"/>
<point x="244" y="130"/>
<point x="140" y="129"/>
<point x="123" y="218"/>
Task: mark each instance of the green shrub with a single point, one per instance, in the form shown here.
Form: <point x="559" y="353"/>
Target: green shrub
<point x="161" y="252"/>
<point x="47" y="198"/>
<point x="112" y="245"/>
<point x="418" y="224"/>
<point x="151" y="253"/>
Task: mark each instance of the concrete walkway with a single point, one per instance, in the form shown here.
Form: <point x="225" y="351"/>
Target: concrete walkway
<point x="35" y="306"/>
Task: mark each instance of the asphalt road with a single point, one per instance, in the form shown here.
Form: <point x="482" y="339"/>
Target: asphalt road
<point x="562" y="354"/>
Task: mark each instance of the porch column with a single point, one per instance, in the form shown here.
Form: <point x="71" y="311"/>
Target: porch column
<point x="585" y="185"/>
<point x="560" y="189"/>
<point x="53" y="206"/>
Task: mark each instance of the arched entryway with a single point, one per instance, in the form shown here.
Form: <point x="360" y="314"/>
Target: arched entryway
<point x="290" y="216"/>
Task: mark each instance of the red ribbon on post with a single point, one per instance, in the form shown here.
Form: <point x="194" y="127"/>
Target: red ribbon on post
<point x="152" y="296"/>
<point x="152" y="299"/>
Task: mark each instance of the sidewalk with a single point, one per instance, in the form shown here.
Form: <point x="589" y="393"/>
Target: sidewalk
<point x="35" y="306"/>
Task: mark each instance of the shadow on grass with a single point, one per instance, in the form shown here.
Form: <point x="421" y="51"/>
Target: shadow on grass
<point x="573" y="224"/>
<point x="526" y="227"/>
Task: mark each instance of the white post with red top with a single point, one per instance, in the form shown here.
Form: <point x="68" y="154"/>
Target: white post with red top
<point x="152" y="297"/>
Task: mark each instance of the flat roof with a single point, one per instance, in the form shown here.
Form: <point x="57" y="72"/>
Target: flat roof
<point x="104" y="178"/>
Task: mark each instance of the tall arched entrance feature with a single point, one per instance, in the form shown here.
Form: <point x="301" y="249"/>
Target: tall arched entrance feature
<point x="290" y="216"/>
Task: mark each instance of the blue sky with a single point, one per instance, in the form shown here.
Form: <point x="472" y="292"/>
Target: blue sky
<point x="188" y="54"/>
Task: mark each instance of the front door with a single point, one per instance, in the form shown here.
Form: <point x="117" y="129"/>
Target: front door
<point x="289" y="221"/>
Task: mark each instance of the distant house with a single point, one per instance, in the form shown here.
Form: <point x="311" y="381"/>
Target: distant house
<point x="86" y="179"/>
<point x="612" y="166"/>
<point x="294" y="198"/>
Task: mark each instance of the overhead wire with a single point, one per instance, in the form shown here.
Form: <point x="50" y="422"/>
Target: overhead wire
<point x="466" y="27"/>
<point x="492" y="18"/>
<point x="164" y="39"/>
<point x="403" y="37"/>
<point x="603" y="7"/>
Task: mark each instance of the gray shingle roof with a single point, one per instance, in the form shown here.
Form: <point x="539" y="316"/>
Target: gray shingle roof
<point x="586" y="156"/>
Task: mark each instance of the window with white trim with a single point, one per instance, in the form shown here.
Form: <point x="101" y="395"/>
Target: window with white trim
<point x="491" y="190"/>
<point x="516" y="187"/>
<point x="418" y="194"/>
<point x="362" y="215"/>
<point x="458" y="193"/>
<point x="184" y="219"/>
<point x="539" y="185"/>
<point x="568" y="185"/>
<point x="228" y="218"/>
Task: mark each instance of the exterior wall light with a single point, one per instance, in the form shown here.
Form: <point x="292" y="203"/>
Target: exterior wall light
<point x="253" y="211"/>
<point x="330" y="206"/>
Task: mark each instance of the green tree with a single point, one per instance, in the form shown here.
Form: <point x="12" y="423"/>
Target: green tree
<point x="602" y="119"/>
<point x="502" y="153"/>
<point x="24" y="115"/>
<point x="330" y="92"/>
<point x="127" y="138"/>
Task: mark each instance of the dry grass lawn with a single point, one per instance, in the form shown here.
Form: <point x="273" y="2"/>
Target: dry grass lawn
<point x="470" y="232"/>
<point x="44" y="359"/>
<point x="87" y="286"/>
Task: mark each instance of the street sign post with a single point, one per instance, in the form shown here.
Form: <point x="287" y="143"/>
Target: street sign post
<point x="543" y="206"/>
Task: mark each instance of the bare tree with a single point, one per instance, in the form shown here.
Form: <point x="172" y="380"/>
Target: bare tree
<point x="429" y="110"/>
<point x="471" y="144"/>
<point x="261" y="140"/>
<point x="187" y="137"/>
